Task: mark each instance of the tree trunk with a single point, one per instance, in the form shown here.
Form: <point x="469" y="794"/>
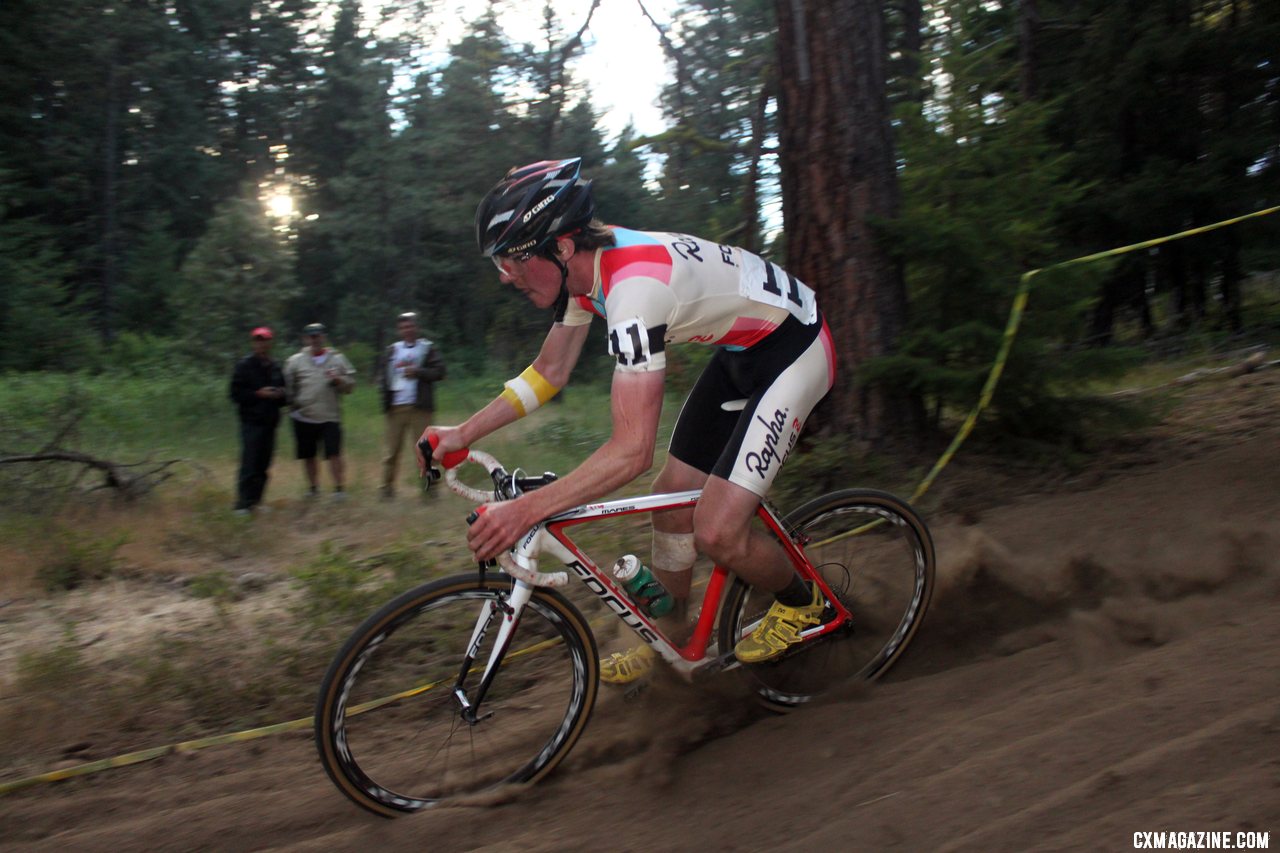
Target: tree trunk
<point x="750" y="196"/>
<point x="838" y="174"/>
<point x="1231" y="275"/>
<point x="1175" y="273"/>
<point x="1028" y="55"/>
<point x="911" y="66"/>
<point x="110" y="197"/>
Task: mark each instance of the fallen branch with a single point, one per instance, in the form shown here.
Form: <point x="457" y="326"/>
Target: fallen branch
<point x="132" y="479"/>
<point x="1256" y="361"/>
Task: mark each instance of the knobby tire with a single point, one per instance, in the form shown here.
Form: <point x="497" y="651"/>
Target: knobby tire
<point x="876" y="554"/>
<point x="389" y="730"/>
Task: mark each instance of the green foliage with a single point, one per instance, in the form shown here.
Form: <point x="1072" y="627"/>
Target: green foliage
<point x="183" y="414"/>
<point x="723" y="50"/>
<point x="238" y="276"/>
<point x="75" y="558"/>
<point x="167" y="361"/>
<point x="362" y="357"/>
<point x="984" y="191"/>
<point x="338" y="587"/>
<point x="214" y="528"/>
<point x="146" y="305"/>
<point x="36" y="296"/>
<point x="215" y="584"/>
<point x="137" y="143"/>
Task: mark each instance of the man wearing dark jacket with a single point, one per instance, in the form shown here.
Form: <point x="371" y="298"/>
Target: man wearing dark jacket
<point x="406" y="372"/>
<point x="257" y="388"/>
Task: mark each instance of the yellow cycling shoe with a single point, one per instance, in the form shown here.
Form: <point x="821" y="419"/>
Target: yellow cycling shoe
<point x="626" y="667"/>
<point x="778" y="630"/>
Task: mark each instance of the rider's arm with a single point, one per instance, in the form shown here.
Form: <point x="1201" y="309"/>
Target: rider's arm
<point x="636" y="404"/>
<point x="555" y="362"/>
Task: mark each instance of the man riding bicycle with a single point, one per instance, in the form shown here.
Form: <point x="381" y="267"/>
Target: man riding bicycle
<point x="774" y="361"/>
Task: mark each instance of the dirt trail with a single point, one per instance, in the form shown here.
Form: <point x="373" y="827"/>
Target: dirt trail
<point x="1096" y="663"/>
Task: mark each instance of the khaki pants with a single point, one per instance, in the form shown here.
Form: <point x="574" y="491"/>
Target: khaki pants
<point x="401" y="420"/>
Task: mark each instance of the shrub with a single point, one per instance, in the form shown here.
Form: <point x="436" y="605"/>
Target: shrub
<point x="78" y="558"/>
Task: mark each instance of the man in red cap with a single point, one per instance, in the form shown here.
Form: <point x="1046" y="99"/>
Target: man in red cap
<point x="257" y="388"/>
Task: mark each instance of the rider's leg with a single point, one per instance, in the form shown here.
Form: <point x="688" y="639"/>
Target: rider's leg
<point x="722" y="530"/>
<point x="722" y="525"/>
<point x="671" y="560"/>
<point x="673" y="551"/>
<point x="740" y="422"/>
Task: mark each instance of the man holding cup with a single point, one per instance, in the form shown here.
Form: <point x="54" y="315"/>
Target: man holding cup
<point x="257" y="389"/>
<point x="315" y="377"/>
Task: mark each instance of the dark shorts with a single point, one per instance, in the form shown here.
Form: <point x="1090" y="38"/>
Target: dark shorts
<point x="746" y="411"/>
<point x="310" y="436"/>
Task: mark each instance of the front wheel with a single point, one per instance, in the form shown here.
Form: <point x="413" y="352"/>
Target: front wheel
<point x="876" y="555"/>
<point x="391" y="722"/>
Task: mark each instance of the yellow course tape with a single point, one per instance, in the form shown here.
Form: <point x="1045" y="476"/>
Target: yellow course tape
<point x="988" y="389"/>
<point x="233" y="737"/>
<point x="1015" y="319"/>
<point x="151" y="754"/>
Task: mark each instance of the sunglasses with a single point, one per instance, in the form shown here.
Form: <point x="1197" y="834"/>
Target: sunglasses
<point x="521" y="258"/>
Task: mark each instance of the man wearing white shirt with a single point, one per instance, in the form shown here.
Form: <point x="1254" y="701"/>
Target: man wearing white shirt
<point x="407" y="371"/>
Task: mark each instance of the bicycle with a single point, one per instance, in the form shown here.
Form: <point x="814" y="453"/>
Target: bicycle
<point x="433" y="697"/>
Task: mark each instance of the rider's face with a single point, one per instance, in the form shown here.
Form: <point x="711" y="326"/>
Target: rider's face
<point x="537" y="278"/>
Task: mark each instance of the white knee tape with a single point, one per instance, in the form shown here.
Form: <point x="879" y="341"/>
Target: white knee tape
<point x="673" y="552"/>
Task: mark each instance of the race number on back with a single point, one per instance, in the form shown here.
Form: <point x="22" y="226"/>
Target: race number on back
<point x="761" y="281"/>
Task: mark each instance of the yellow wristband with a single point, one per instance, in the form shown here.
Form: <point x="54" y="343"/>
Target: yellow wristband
<point x="528" y="391"/>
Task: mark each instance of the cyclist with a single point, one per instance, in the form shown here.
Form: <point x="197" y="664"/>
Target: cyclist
<point x="774" y="361"/>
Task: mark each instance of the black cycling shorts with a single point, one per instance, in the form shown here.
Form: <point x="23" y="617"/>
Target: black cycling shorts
<point x="746" y="410"/>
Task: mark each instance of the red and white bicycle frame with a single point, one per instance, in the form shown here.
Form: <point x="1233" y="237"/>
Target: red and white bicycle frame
<point x="551" y="537"/>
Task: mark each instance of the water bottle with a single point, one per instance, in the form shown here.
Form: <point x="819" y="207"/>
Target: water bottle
<point x="645" y="589"/>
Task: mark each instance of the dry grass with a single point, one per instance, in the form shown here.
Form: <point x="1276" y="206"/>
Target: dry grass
<point x="186" y="619"/>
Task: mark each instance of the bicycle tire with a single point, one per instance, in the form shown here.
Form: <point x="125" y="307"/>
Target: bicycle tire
<point x="389" y="730"/>
<point x="876" y="554"/>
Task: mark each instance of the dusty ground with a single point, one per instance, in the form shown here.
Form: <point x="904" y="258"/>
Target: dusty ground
<point x="1100" y="660"/>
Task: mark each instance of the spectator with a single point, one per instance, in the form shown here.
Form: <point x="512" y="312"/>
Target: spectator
<point x="257" y="388"/>
<point x="315" y="376"/>
<point x="406" y="373"/>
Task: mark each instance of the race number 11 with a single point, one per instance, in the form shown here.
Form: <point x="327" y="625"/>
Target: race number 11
<point x="770" y="284"/>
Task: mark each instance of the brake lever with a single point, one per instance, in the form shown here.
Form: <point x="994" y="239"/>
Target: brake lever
<point x="484" y="564"/>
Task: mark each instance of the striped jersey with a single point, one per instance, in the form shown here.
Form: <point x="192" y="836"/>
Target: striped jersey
<point x="659" y="288"/>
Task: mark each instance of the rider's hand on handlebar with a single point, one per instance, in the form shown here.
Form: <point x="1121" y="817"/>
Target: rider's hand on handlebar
<point x="498" y="527"/>
<point x="445" y="440"/>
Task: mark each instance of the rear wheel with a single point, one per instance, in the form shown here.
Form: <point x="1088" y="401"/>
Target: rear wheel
<point x="390" y="726"/>
<point x="877" y="556"/>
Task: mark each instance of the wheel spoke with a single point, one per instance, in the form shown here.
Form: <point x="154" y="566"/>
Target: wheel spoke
<point x="403" y="742"/>
<point x="876" y="557"/>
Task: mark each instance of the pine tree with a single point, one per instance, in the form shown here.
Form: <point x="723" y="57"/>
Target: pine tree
<point x="240" y="275"/>
<point x="838" y="178"/>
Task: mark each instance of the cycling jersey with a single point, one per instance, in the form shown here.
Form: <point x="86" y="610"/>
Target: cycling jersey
<point x="775" y="358"/>
<point x="655" y="288"/>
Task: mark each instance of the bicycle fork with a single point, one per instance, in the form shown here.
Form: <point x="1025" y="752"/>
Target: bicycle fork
<point x="508" y="611"/>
